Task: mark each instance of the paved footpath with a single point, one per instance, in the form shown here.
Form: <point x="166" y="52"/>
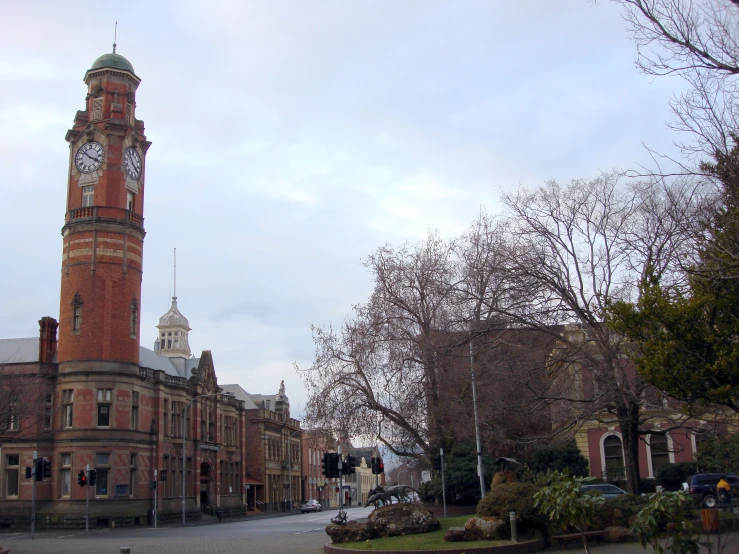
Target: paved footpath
<point x="305" y="543"/>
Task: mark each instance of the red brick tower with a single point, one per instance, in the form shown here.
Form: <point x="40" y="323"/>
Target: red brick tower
<point x="103" y="235"/>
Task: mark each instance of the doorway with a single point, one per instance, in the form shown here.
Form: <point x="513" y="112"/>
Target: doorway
<point x="205" y="483"/>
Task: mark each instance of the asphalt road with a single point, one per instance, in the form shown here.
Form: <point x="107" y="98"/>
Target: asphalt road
<point x="289" y="534"/>
<point x="283" y="534"/>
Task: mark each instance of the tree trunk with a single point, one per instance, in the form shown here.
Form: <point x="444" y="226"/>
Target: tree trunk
<point x="628" y="418"/>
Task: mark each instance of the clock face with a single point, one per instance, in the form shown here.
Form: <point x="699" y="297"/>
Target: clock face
<point x="132" y="162"/>
<point x="89" y="157"/>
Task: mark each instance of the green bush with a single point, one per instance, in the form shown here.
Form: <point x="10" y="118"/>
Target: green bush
<point x="719" y="455"/>
<point x="559" y="457"/>
<point x="462" y="482"/>
<point x="509" y="497"/>
<point x="514" y="497"/>
<point x="619" y="511"/>
<point x="647" y="486"/>
<point x="671" y="476"/>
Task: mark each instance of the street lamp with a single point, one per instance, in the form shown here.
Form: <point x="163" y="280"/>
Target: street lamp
<point x="290" y="467"/>
<point x="184" y="438"/>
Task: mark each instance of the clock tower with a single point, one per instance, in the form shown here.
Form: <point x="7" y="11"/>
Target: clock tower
<point x="103" y="233"/>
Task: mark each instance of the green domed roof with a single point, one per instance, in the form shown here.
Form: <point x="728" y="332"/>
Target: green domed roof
<point x="116" y="61"/>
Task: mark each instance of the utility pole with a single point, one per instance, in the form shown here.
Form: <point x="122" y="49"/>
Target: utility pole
<point x="33" y="494"/>
<point x="443" y="480"/>
<point x="341" y="481"/>
<point x="156" y="496"/>
<point x="87" y="499"/>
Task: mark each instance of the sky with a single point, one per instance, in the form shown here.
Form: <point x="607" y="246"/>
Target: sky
<point x="293" y="138"/>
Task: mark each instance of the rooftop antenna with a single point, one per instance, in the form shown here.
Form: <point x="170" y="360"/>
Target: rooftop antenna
<point x="115" y="36"/>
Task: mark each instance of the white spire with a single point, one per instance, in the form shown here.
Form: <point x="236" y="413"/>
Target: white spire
<point x="174" y="327"/>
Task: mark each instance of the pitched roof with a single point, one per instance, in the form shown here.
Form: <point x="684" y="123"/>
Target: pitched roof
<point x="19" y="351"/>
<point x="242" y="395"/>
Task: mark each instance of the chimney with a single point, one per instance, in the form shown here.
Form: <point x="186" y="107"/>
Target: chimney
<point x="47" y="339"/>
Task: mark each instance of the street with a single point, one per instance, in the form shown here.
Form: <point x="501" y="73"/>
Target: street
<point x="298" y="532"/>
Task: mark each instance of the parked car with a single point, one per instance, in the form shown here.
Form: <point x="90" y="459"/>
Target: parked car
<point x="702" y="486"/>
<point x="310" y="506"/>
<point x="608" y="491"/>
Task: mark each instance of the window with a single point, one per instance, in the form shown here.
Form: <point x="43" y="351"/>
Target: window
<point x="48" y="410"/>
<point x="65" y="474"/>
<point x="659" y="452"/>
<point x="614" y="457"/>
<point x="104" y="399"/>
<point x="132" y="475"/>
<point x="134" y="410"/>
<point x="130" y="201"/>
<point x="67" y="403"/>
<point x="102" y="461"/>
<point x="88" y="196"/>
<point x="166" y="418"/>
<point x="12" y="474"/>
<point x="134" y="318"/>
<point x="12" y="422"/>
<point x="76" y="313"/>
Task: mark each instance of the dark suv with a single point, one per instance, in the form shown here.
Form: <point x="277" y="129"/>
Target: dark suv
<point x="702" y="486"/>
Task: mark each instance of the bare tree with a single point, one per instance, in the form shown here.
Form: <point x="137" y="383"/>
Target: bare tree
<point x="697" y="40"/>
<point x="22" y="400"/>
<point x="575" y="249"/>
<point x="377" y="376"/>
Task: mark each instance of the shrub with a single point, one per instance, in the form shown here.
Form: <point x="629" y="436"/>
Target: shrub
<point x="619" y="511"/>
<point x="719" y="454"/>
<point x="647" y="486"/>
<point x="515" y="497"/>
<point x="559" y="457"/>
<point x="671" y="476"/>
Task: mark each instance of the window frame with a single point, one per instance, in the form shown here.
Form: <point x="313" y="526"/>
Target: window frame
<point x="88" y="196"/>
<point x="104" y="406"/>
<point x="67" y="408"/>
<point x="12" y="469"/>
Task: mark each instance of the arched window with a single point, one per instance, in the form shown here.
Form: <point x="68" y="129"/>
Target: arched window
<point x="613" y="457"/>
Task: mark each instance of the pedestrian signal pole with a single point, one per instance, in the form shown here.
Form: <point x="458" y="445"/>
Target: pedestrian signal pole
<point x="156" y="495"/>
<point x="33" y="493"/>
<point x="87" y="499"/>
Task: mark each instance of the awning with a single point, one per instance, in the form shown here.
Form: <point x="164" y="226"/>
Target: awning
<point x="248" y="481"/>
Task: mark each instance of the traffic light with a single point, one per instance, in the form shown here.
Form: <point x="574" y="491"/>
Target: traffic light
<point x="38" y="469"/>
<point x="163" y="475"/>
<point x="81" y="478"/>
<point x="46" y="468"/>
<point x="437" y="463"/>
<point x="350" y="464"/>
<point x="373" y="465"/>
<point x="325" y="464"/>
<point x="93" y="477"/>
<point x="153" y="485"/>
<point x="29" y="472"/>
<point x="380" y="466"/>
<point x="335" y="464"/>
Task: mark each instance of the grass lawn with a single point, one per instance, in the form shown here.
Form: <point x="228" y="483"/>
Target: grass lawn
<point x="424" y="541"/>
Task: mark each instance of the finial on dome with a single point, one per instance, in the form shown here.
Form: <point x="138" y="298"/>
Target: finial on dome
<point x="115" y="36"/>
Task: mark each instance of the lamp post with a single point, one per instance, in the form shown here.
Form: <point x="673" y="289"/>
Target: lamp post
<point x="184" y="438"/>
<point x="290" y="467"/>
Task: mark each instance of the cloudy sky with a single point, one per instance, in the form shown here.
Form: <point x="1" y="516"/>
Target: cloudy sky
<point x="292" y="138"/>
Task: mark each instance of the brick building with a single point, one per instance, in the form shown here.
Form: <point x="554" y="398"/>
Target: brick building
<point x="93" y="396"/>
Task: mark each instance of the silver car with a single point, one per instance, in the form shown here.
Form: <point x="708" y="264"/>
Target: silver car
<point x="608" y="491"/>
<point x="310" y="506"/>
